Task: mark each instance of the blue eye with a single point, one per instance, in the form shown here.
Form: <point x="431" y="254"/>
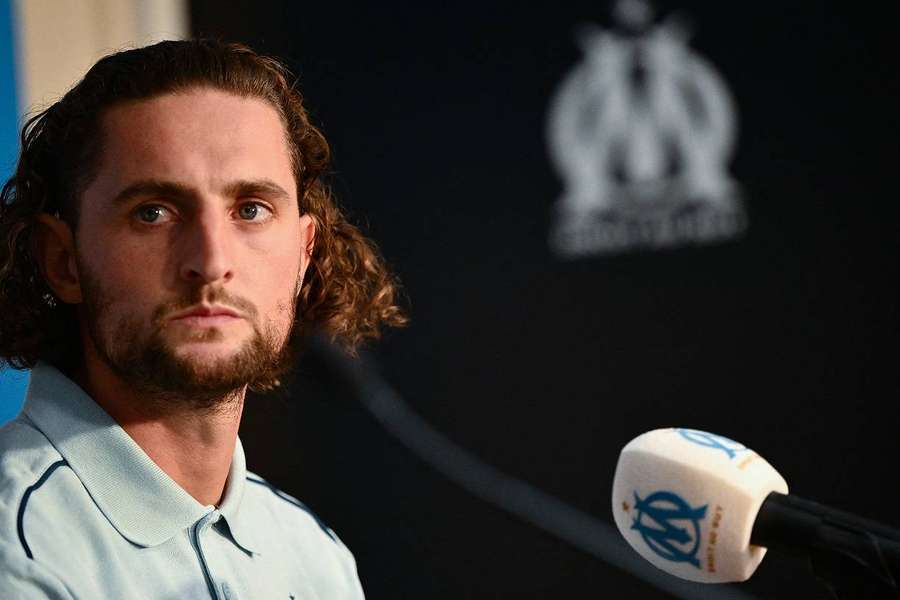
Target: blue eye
<point x="253" y="211"/>
<point x="150" y="213"/>
<point x="248" y="211"/>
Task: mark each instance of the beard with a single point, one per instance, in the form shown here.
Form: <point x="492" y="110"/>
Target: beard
<point x="143" y="358"/>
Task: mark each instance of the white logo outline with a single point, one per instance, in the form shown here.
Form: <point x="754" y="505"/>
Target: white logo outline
<point x="643" y="159"/>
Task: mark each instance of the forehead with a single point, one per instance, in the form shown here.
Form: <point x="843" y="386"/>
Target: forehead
<point x="199" y="137"/>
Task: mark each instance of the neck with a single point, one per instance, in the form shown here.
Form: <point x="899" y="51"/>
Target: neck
<point x="192" y="445"/>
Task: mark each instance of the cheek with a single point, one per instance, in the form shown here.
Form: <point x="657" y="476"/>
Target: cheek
<point x="108" y="244"/>
<point x="134" y="283"/>
<point x="125" y="277"/>
<point x="274" y="263"/>
<point x="278" y="286"/>
<point x="275" y="285"/>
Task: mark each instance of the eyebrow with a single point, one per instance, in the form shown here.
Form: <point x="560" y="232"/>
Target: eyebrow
<point x="178" y="191"/>
<point x="255" y="187"/>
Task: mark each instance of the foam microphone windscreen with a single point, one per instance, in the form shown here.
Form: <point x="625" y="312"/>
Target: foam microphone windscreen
<point x="686" y="500"/>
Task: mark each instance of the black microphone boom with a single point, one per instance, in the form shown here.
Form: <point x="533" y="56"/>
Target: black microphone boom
<point x="844" y="550"/>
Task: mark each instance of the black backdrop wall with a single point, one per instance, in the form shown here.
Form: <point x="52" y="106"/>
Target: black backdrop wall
<point x="546" y="366"/>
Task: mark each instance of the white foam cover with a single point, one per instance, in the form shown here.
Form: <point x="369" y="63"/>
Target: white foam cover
<point x="686" y="500"/>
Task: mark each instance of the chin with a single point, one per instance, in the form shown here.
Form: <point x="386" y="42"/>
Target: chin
<point x="202" y="365"/>
<point x="204" y="353"/>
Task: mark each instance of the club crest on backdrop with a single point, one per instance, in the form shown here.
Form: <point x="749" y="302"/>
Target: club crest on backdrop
<point x="641" y="132"/>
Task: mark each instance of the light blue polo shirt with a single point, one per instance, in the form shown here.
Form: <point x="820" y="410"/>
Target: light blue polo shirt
<point x="86" y="514"/>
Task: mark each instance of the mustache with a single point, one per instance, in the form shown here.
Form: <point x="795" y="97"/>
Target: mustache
<point x="217" y="296"/>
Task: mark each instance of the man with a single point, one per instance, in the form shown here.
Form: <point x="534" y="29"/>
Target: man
<point x="167" y="240"/>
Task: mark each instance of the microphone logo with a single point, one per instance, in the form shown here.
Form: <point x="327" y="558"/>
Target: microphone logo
<point x="710" y="440"/>
<point x="669" y="526"/>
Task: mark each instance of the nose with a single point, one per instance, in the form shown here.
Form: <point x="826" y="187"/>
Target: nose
<point x="205" y="249"/>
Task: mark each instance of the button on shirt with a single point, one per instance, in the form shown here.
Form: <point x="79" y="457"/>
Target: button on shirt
<point x="86" y="514"/>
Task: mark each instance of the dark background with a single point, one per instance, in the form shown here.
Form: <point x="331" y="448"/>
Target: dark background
<point x="545" y="367"/>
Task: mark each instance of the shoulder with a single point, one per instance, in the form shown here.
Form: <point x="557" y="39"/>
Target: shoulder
<point x="295" y="530"/>
<point x="283" y="503"/>
<point x="27" y="461"/>
<point x="33" y="476"/>
<point x="23" y="447"/>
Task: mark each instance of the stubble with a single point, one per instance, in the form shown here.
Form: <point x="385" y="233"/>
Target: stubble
<point x="141" y="355"/>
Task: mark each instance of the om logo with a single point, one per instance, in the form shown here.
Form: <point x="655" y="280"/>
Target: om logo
<point x="669" y="526"/>
<point x="710" y="440"/>
<point x="642" y="132"/>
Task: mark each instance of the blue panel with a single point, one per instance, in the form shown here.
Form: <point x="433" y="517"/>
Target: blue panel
<point x="12" y="393"/>
<point x="12" y="383"/>
<point x="9" y="112"/>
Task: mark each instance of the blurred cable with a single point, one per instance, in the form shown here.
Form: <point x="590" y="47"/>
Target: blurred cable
<point x="508" y="493"/>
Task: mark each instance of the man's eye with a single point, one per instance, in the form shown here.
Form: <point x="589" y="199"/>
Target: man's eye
<point x="253" y="211"/>
<point x="151" y="213"/>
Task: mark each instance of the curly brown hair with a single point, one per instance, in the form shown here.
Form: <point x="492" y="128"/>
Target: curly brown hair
<point x="349" y="294"/>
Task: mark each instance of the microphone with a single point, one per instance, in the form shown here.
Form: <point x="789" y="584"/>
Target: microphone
<point x="703" y="507"/>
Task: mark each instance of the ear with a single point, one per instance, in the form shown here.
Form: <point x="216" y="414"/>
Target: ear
<point x="54" y="253"/>
<point x="307" y="240"/>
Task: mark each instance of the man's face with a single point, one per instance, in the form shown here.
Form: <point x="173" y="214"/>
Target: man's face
<point x="190" y="247"/>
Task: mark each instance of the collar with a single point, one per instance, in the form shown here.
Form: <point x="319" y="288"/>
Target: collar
<point x="144" y="504"/>
<point x="238" y="520"/>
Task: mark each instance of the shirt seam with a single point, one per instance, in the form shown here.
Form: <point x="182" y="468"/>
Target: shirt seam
<point x="20" y="518"/>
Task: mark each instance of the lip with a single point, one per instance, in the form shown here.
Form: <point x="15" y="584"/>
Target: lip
<point x="207" y="314"/>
